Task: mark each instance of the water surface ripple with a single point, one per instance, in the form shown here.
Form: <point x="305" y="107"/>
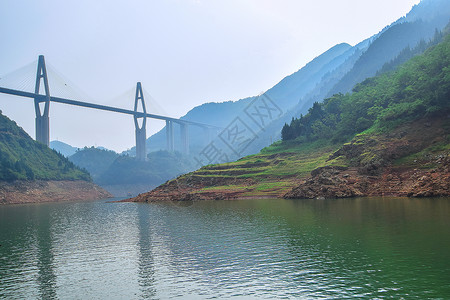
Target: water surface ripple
<point x="262" y="248"/>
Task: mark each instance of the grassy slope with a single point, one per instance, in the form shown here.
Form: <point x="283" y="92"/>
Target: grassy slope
<point x="272" y="172"/>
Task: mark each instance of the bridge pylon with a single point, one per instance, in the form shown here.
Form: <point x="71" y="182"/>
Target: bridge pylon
<point x="140" y="130"/>
<point x="42" y="119"/>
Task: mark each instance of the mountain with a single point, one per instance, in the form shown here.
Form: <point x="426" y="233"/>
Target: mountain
<point x="32" y="172"/>
<point x="389" y="137"/>
<point x="420" y="24"/>
<point x="63" y="148"/>
<point x="94" y="160"/>
<point x="122" y="175"/>
<point x="385" y="48"/>
<point x="428" y="10"/>
<point x="368" y="58"/>
<point x="286" y="94"/>
<point x="335" y="71"/>
<point x="125" y="175"/>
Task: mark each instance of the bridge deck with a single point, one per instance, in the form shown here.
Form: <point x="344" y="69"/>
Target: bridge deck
<point x="102" y="107"/>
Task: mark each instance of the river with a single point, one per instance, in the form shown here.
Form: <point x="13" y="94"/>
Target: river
<point x="262" y="248"/>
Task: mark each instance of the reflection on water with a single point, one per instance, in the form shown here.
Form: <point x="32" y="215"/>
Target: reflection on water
<point x="369" y="248"/>
<point x="146" y="263"/>
<point x="46" y="277"/>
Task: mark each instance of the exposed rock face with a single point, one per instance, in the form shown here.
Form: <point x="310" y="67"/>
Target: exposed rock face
<point x="433" y="183"/>
<point x="21" y="191"/>
<point x="372" y="171"/>
<point x="329" y="182"/>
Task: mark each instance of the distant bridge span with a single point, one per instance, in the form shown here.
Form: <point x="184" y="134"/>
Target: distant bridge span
<point x="42" y="120"/>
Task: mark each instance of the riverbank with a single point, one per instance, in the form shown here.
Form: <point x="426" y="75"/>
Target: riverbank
<point x="23" y="191"/>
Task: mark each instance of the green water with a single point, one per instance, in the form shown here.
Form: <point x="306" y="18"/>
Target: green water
<point x="330" y="249"/>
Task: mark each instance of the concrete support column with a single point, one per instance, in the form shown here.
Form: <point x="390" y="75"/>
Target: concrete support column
<point x="169" y="135"/>
<point x="140" y="144"/>
<point x="42" y="129"/>
<point x="42" y="119"/>
<point x="184" y="138"/>
<point x="141" y="135"/>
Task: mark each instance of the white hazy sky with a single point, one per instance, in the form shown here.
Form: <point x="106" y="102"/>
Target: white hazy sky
<point x="185" y="52"/>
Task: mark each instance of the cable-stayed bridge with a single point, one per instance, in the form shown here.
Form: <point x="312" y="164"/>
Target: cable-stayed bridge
<point x="42" y="99"/>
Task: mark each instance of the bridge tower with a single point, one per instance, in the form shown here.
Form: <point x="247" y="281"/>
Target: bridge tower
<point x="140" y="131"/>
<point x="42" y="120"/>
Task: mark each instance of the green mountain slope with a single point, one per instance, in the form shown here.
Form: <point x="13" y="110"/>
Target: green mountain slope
<point x="417" y="89"/>
<point x="391" y="136"/>
<point x="94" y="160"/>
<point x="23" y="158"/>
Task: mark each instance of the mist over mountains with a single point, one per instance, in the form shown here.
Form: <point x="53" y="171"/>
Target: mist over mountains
<point x="335" y="71"/>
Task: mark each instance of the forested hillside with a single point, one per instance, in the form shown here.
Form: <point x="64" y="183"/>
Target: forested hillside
<point x="418" y="88"/>
<point x="94" y="160"/>
<point x="25" y="159"/>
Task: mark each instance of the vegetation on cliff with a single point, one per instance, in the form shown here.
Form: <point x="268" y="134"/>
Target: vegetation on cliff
<point x="419" y="88"/>
<point x="22" y="158"/>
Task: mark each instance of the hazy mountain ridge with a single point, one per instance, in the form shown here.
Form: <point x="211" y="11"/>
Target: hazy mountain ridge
<point x="63" y="148"/>
<point x="347" y="59"/>
<point x="337" y="70"/>
<point x="285" y="94"/>
<point x="365" y="61"/>
<point x="290" y="89"/>
<point x="383" y="49"/>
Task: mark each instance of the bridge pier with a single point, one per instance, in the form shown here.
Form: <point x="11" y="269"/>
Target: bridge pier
<point x="42" y="120"/>
<point x="184" y="138"/>
<point x="141" y="135"/>
<point x="169" y="135"/>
